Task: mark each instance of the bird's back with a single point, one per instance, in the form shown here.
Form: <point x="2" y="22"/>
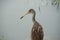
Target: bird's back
<point x="37" y="32"/>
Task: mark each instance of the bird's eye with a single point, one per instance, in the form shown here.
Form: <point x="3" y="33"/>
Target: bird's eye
<point x="29" y="10"/>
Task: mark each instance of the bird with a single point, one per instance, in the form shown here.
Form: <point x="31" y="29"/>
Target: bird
<point x="37" y="32"/>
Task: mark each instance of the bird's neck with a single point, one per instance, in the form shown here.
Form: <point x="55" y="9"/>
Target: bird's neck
<point x="33" y="18"/>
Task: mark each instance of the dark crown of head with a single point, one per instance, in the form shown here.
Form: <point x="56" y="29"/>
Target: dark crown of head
<point x="31" y="10"/>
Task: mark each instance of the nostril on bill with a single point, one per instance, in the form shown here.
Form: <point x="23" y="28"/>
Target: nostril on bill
<point x="21" y="17"/>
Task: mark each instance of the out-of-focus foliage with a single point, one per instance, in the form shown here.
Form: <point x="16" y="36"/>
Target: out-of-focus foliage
<point x="1" y="37"/>
<point x="55" y="2"/>
<point x="58" y="1"/>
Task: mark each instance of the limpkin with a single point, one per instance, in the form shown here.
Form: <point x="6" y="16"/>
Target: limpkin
<point x="37" y="30"/>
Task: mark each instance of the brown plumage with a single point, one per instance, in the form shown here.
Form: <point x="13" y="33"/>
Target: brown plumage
<point x="37" y="30"/>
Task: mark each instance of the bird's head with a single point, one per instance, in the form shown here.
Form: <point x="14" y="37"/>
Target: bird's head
<point x="28" y="12"/>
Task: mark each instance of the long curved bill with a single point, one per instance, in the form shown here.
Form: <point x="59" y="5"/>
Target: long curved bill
<point x="24" y="15"/>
